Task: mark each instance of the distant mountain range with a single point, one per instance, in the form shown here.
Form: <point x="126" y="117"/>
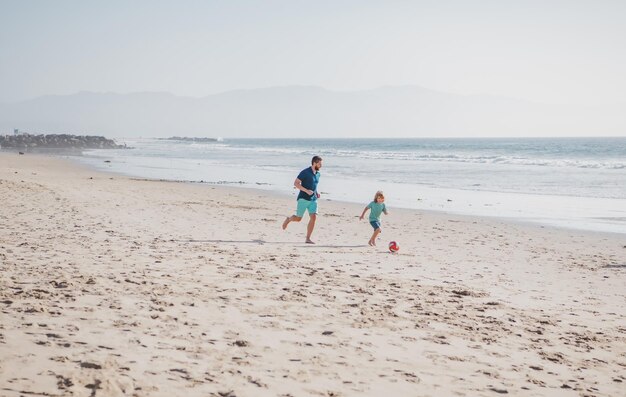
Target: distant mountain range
<point x="302" y="111"/>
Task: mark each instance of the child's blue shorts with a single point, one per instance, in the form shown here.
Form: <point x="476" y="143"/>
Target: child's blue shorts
<point x="375" y="224"/>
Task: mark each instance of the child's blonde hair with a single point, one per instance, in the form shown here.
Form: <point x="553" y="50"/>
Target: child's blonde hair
<point x="378" y="194"/>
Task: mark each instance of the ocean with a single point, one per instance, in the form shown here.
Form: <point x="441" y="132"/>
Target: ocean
<point x="577" y="183"/>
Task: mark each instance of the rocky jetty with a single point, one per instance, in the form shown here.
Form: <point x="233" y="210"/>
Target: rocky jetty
<point x="61" y="141"/>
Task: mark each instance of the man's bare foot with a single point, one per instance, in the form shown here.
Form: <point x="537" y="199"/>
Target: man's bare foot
<point x="309" y="241"/>
<point x="285" y="223"/>
<point x="373" y="243"/>
<point x="370" y="242"/>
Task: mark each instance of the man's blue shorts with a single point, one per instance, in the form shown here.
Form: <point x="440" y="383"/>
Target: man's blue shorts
<point x="306" y="205"/>
<point x="375" y="224"/>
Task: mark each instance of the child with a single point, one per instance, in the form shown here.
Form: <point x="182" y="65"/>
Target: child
<point x="377" y="207"/>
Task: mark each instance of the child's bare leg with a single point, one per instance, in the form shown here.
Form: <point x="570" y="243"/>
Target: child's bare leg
<point x="373" y="239"/>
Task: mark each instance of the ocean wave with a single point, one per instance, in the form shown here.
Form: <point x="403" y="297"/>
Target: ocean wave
<point x="478" y="156"/>
<point x="441" y="157"/>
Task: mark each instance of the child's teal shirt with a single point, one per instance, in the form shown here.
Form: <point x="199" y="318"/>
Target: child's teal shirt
<point x="375" y="210"/>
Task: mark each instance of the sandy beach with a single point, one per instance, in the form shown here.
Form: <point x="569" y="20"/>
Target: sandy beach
<point x="114" y="286"/>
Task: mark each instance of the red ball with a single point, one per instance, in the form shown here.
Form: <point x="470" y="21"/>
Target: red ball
<point x="393" y="246"/>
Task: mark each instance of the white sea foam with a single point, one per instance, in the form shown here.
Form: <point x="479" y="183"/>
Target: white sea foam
<point x="617" y="163"/>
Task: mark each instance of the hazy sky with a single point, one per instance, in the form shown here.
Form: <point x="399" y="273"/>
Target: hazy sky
<point x="546" y="51"/>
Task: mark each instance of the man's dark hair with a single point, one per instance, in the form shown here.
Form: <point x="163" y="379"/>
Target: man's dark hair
<point x="315" y="159"/>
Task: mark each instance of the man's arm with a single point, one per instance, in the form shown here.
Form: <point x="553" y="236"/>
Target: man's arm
<point x="298" y="184"/>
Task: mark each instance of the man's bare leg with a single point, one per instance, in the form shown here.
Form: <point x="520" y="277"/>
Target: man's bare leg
<point x="291" y="218"/>
<point x="310" y="227"/>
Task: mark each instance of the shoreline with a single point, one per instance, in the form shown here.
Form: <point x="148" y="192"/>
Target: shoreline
<point x="442" y="212"/>
<point x="565" y="211"/>
<point x="143" y="287"/>
<point x="429" y="212"/>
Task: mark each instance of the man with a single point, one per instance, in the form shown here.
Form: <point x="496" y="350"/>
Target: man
<point x="306" y="183"/>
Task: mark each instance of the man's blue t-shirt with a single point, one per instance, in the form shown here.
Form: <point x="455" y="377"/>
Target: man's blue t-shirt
<point x="309" y="181"/>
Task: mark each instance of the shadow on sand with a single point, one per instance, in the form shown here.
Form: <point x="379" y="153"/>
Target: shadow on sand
<point x="262" y="242"/>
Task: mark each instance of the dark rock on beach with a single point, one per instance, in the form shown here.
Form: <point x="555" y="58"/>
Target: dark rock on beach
<point x="60" y="141"/>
